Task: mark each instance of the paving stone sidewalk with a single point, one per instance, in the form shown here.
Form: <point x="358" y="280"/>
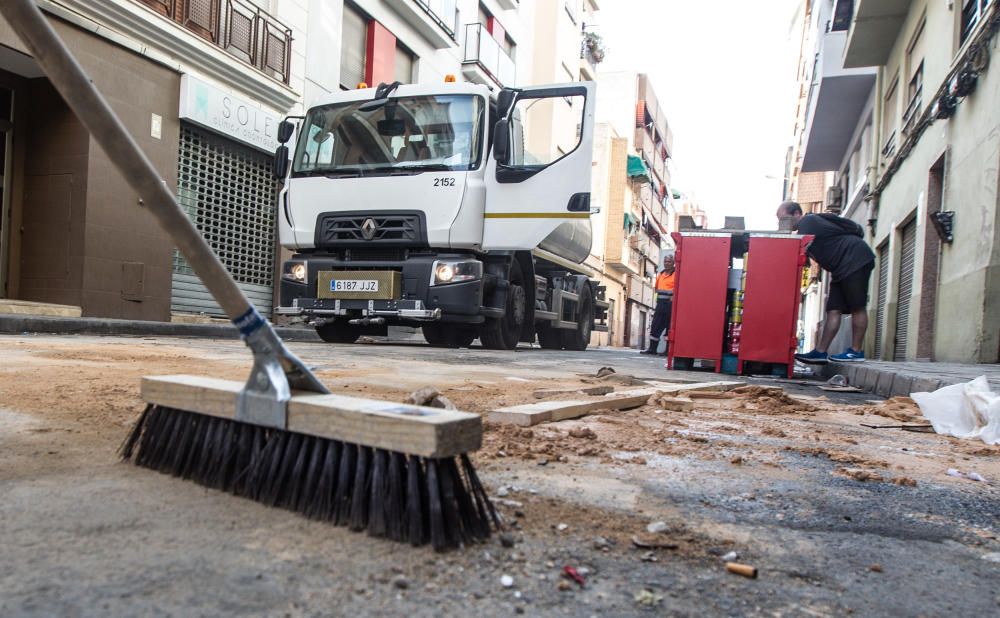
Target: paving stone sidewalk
<point x="888" y="379"/>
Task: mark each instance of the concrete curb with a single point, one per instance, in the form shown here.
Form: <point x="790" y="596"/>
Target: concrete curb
<point x="888" y="381"/>
<point x="13" y="324"/>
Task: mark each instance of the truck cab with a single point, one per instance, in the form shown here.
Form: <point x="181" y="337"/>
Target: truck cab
<point x="423" y="205"/>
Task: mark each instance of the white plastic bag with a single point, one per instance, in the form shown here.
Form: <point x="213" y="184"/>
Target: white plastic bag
<point x="969" y="410"/>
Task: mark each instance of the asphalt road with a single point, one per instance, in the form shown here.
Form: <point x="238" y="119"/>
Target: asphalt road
<point x="82" y="534"/>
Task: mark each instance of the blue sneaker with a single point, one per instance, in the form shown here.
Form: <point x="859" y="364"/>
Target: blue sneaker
<point x="850" y="356"/>
<point x="813" y="358"/>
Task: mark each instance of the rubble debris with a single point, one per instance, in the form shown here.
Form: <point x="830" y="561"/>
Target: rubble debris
<point x="859" y="474"/>
<point x="507" y="539"/>
<point x="650" y="542"/>
<point x="657" y="527"/>
<point x="970" y="476"/>
<point x="875" y="568"/>
<point x="731" y="557"/>
<point x="506" y="581"/>
<point x="583" y="432"/>
<point x="401" y="582"/>
<point x="670" y="403"/>
<point x="647" y="598"/>
<point x="742" y="569"/>
<point x="602" y="544"/>
<point x="584" y="390"/>
<point x="573" y="574"/>
<point x="431" y="397"/>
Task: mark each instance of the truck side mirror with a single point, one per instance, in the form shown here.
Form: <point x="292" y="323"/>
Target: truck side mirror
<point x="285" y="130"/>
<point x="501" y="141"/>
<point x="504" y="101"/>
<point x="281" y="163"/>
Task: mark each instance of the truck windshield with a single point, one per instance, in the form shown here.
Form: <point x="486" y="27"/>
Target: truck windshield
<point x="402" y="135"/>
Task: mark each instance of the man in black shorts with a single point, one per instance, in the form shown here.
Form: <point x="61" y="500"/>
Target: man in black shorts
<point x="838" y="247"/>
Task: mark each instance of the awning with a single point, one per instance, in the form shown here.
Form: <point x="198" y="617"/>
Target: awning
<point x="637" y="167"/>
<point x="630" y="221"/>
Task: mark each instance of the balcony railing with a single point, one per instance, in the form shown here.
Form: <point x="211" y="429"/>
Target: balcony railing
<point x="237" y="27"/>
<point x="443" y="12"/>
<point x="483" y="50"/>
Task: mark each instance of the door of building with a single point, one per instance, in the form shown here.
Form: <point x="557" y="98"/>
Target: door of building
<point x="227" y="189"/>
<point x="883" y="297"/>
<point x="6" y="177"/>
<point x="907" y="258"/>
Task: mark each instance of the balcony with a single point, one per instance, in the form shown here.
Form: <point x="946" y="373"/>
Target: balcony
<point x="435" y="20"/>
<point x="510" y="5"/>
<point x="237" y="27"/>
<point x="485" y="61"/>
<point x="876" y="25"/>
<point x="836" y="103"/>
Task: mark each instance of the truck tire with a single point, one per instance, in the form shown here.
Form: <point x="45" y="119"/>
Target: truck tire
<point x="579" y="338"/>
<point x="504" y="333"/>
<point x="549" y="338"/>
<point x="448" y="335"/>
<point x="338" y="332"/>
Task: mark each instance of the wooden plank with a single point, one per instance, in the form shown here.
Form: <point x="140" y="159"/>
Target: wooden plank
<point x="416" y="430"/>
<point x="586" y="390"/>
<point x="548" y="411"/>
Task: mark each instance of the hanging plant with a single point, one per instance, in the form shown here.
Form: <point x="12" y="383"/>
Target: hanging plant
<point x="595" y="46"/>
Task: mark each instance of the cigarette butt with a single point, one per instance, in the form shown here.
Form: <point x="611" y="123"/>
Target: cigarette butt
<point x="742" y="569"/>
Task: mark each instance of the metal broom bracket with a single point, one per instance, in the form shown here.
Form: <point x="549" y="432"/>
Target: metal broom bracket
<point x="264" y="399"/>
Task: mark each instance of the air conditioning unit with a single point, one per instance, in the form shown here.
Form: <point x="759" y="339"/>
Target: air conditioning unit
<point x="834" y="198"/>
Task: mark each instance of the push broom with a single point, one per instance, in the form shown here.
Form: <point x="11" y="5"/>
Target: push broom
<point x="396" y="471"/>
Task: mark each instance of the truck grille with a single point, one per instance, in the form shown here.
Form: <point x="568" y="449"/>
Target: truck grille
<point x="395" y="228"/>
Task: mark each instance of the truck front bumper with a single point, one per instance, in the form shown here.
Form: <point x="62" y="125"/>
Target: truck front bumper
<point x="402" y="309"/>
<point x="419" y="301"/>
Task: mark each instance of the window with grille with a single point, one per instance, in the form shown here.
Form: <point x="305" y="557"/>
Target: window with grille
<point x="972" y="13"/>
<point x="228" y="192"/>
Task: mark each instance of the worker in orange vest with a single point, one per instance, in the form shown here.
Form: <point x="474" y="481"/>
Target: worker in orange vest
<point x="664" y="303"/>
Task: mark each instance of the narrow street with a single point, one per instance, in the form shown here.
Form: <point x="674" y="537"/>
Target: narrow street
<point x="837" y="518"/>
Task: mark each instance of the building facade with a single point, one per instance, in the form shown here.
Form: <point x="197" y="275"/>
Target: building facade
<point x="633" y="143"/>
<point x="915" y="162"/>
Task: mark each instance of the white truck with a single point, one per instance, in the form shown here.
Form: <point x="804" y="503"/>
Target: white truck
<point x="425" y="205"/>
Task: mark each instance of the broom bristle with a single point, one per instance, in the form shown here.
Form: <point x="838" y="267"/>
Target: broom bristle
<point x="392" y="495"/>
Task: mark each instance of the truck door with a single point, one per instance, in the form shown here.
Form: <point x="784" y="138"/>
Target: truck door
<point x="538" y="177"/>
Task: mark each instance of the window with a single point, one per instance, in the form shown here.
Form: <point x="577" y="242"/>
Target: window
<point x="404" y="135"/>
<point x="404" y="65"/>
<point x="532" y="138"/>
<point x="914" y="92"/>
<point x="972" y="13"/>
<point x="352" y="54"/>
<point x="889" y="112"/>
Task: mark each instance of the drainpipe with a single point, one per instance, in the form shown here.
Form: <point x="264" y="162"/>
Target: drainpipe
<point x="872" y="199"/>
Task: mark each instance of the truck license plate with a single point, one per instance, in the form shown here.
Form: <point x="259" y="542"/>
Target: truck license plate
<point x="353" y="285"/>
<point x="359" y="284"/>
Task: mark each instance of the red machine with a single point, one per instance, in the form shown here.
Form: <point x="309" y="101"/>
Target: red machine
<point x="733" y="320"/>
<point x="698" y="320"/>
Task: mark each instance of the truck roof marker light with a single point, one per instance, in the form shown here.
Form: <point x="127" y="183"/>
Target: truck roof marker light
<point x="361" y="86"/>
<point x="449" y="79"/>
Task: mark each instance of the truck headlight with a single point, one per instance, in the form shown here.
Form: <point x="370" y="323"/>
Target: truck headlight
<point x="455" y="271"/>
<point x="295" y="271"/>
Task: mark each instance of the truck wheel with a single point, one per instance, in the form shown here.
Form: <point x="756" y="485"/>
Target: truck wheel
<point x="433" y="334"/>
<point x="504" y="333"/>
<point x="448" y="335"/>
<point x="579" y="338"/>
<point x="338" y="332"/>
<point x="549" y="338"/>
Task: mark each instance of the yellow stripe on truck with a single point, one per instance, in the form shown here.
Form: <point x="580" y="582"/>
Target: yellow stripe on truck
<point x="537" y="215"/>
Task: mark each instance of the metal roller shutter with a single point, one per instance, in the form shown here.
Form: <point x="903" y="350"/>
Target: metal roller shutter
<point x="228" y="192"/>
<point x="883" y="297"/>
<point x="354" y="37"/>
<point x="906" y="262"/>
